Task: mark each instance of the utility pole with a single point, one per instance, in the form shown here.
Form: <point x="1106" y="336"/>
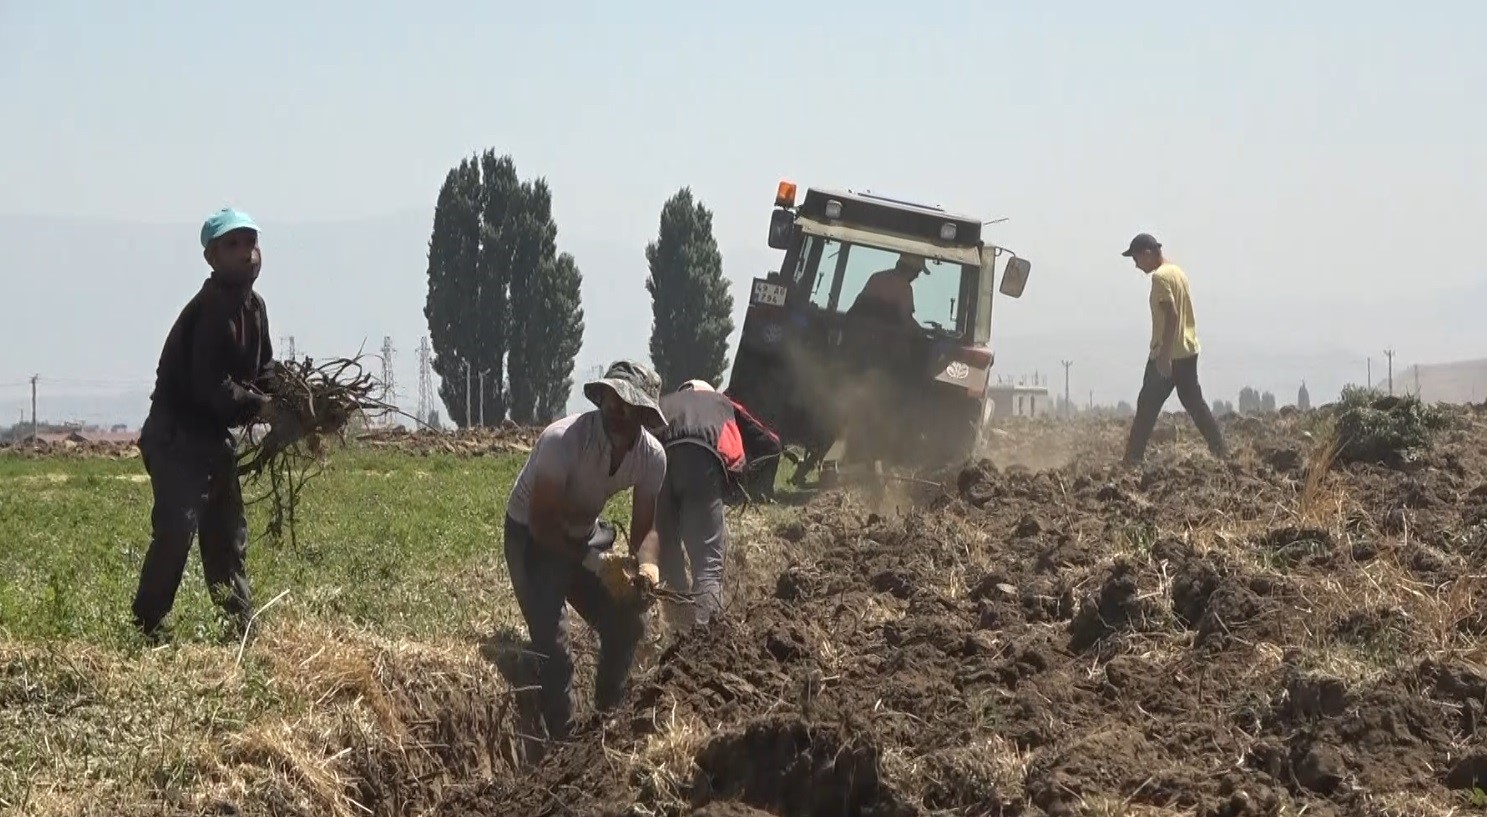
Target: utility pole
<point x="1417" y="380"/>
<point x="35" y="440"/>
<point x="388" y="388"/>
<point x="287" y="343"/>
<point x="1370" y="374"/>
<point x="1091" y="399"/>
<point x="468" y="415"/>
<point x="483" y="373"/>
<point x="1389" y="353"/>
<point x="425" y="382"/>
<point x="1068" y="403"/>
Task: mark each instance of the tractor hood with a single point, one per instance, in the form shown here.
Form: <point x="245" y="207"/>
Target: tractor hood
<point x="890" y="241"/>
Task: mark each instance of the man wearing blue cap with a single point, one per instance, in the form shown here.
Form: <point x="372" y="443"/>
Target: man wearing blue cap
<point x="213" y="374"/>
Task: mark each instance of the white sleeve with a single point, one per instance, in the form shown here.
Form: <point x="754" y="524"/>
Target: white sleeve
<point x="550" y="456"/>
<point x="653" y="469"/>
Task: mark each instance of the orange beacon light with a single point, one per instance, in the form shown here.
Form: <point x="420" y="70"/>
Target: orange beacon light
<point x="785" y="194"/>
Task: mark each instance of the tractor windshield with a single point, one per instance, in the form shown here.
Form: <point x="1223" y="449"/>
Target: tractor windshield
<point x="836" y="273"/>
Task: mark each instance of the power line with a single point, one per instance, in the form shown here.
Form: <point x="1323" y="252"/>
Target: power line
<point x="483" y="373"/>
<point x="88" y="382"/>
<point x="1068" y="404"/>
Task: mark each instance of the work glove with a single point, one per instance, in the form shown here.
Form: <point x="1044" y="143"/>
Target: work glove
<point x="617" y="573"/>
<point x="648" y="577"/>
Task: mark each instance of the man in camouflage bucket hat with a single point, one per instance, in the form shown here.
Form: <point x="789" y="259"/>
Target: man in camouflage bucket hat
<point x="638" y="389"/>
<point x="577" y="464"/>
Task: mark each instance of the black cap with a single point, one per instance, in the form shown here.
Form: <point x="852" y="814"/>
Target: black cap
<point x="1144" y="241"/>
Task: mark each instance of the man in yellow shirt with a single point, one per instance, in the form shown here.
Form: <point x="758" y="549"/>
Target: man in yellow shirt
<point x="1172" y="359"/>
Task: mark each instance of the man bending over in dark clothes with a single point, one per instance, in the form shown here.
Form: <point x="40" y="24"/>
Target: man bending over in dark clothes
<point x="216" y="358"/>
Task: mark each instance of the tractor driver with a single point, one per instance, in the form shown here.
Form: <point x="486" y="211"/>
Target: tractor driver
<point x="888" y="296"/>
<point x="889" y="293"/>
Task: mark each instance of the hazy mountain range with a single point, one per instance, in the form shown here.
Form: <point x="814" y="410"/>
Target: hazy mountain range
<point x="92" y="299"/>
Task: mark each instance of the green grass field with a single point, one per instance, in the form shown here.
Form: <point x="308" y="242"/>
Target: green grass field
<point x="381" y="623"/>
<point x="398" y="570"/>
<point x="381" y="536"/>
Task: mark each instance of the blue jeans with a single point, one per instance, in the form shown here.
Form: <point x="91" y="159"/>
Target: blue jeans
<point x="544" y="583"/>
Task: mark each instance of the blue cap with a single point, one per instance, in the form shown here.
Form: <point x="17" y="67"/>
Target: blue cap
<point x="223" y="222"/>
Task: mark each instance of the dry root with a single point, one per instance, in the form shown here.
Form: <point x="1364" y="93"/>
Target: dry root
<point x="619" y="573"/>
<point x="310" y="403"/>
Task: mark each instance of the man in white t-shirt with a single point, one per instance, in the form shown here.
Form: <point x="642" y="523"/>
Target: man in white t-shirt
<point x="577" y="465"/>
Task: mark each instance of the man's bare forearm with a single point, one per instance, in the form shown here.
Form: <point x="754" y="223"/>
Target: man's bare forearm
<point x="649" y="551"/>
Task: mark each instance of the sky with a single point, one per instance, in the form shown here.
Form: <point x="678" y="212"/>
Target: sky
<point x="1314" y="167"/>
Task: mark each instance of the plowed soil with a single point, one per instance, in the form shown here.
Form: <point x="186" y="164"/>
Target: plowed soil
<point x="1268" y="636"/>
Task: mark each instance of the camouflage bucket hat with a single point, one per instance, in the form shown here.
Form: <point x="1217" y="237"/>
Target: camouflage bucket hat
<point x="634" y="383"/>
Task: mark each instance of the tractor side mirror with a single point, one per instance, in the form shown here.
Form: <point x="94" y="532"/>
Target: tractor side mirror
<point x="781" y="223"/>
<point x="1014" y="277"/>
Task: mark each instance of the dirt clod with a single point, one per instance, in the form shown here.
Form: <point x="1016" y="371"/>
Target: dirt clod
<point x="1189" y="637"/>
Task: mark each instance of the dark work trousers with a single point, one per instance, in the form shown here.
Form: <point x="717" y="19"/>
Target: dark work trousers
<point x="691" y="525"/>
<point x="1155" y="389"/>
<point x="193" y="476"/>
<point x="543" y="582"/>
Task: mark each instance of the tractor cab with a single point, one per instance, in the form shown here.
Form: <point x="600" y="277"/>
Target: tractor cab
<point x="876" y="330"/>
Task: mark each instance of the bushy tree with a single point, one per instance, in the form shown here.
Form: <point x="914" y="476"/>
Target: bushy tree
<point x="692" y="309"/>
<point x="533" y="243"/>
<point x="499" y="196"/>
<point x="492" y="235"/>
<point x="456" y="280"/>
<point x="554" y="334"/>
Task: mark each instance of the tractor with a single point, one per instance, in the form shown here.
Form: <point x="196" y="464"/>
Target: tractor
<point x="891" y="391"/>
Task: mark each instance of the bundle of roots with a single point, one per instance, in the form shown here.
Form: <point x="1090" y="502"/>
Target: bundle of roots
<point x="618" y="572"/>
<point x="310" y="403"/>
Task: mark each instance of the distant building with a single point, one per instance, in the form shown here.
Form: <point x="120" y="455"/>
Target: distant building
<point x="1459" y="382"/>
<point x="1011" y="400"/>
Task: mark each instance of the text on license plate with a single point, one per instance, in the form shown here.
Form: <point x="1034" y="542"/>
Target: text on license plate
<point x="768" y="293"/>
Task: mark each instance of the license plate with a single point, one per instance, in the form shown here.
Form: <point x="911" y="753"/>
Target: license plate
<point x="767" y="293"/>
